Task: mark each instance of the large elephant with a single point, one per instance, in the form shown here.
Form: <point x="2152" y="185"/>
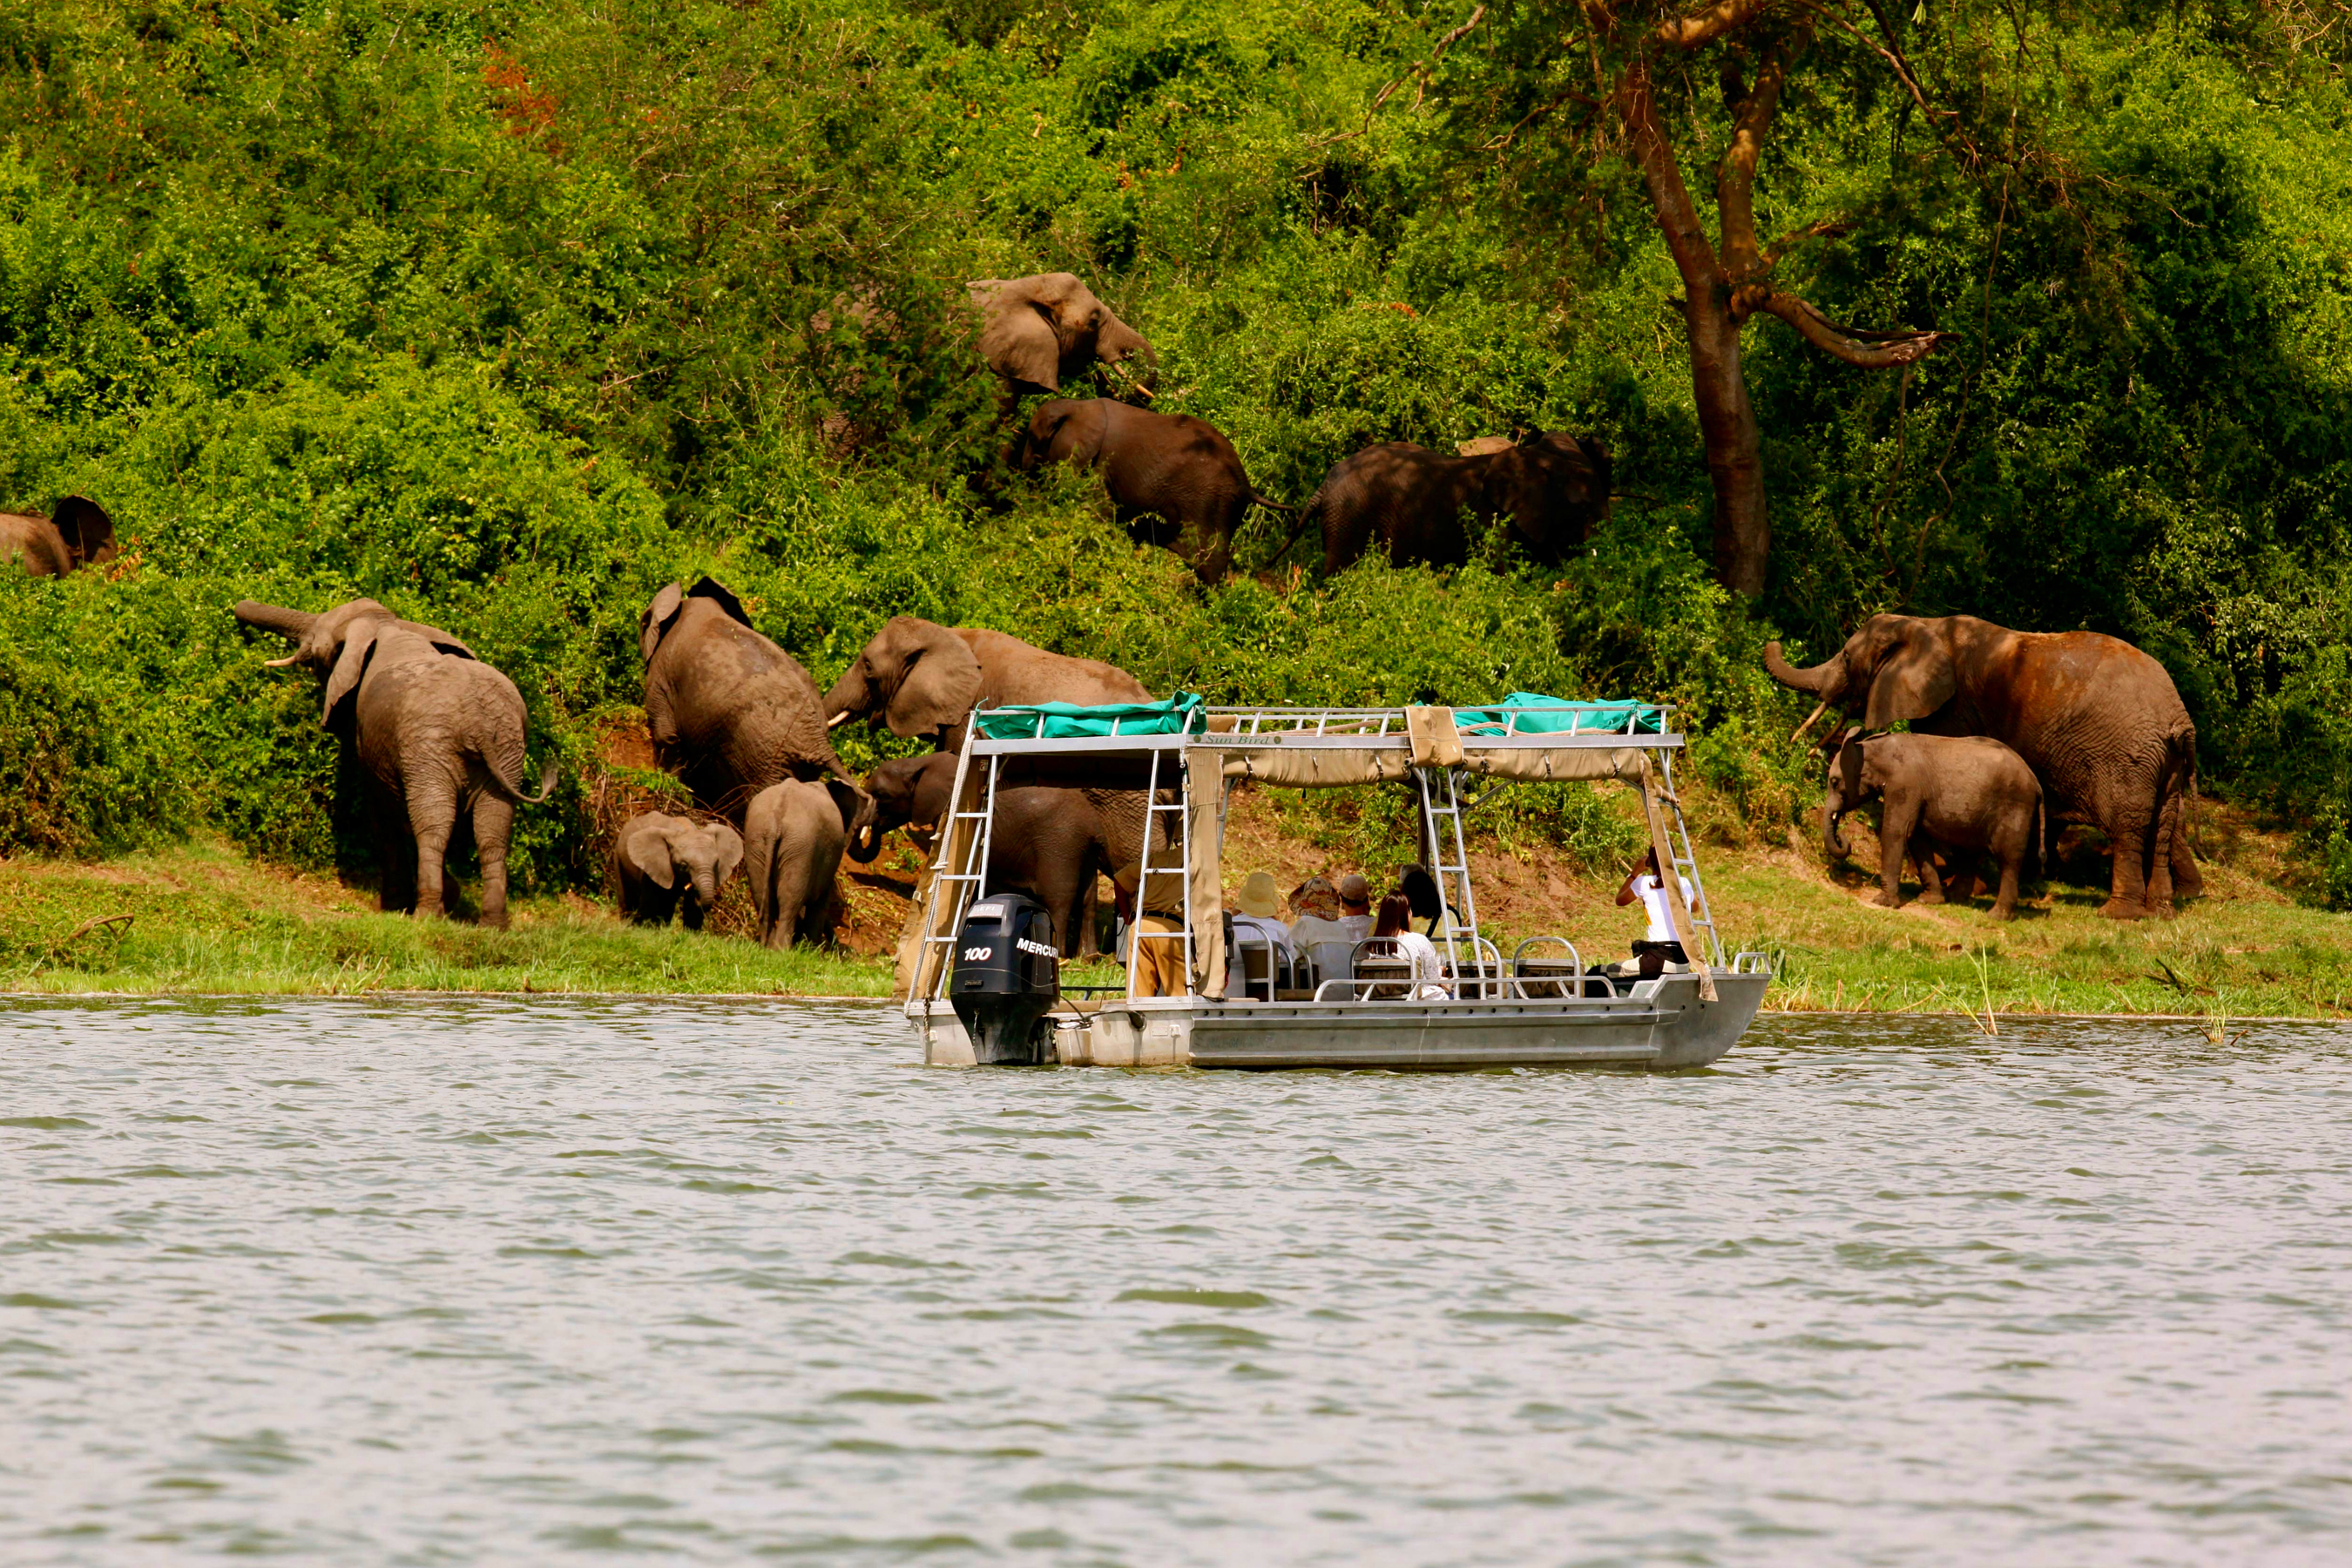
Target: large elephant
<point x="672" y="865"/>
<point x="1967" y="795"/>
<point x="1037" y="330"/>
<point x="923" y="678"/>
<point x="729" y="711"/>
<point x="77" y="532"/>
<point x="1551" y="489"/>
<point x="2096" y="720"/>
<point x="1175" y="480"/>
<point x="440" y="732"/>
<point x="1050" y="843"/>
<point x="793" y="840"/>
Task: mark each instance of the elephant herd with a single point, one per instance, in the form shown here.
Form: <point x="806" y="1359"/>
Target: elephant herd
<point x="1175" y="481"/>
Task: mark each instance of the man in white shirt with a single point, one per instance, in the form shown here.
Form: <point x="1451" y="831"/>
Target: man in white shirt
<point x="1322" y="932"/>
<point x="1659" y="946"/>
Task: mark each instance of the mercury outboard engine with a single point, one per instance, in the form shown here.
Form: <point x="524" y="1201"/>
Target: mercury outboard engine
<point x="1008" y="971"/>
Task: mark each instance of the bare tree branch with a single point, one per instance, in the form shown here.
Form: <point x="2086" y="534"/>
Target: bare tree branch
<point x="1701" y="28"/>
<point x="1735" y="183"/>
<point x="1866" y="350"/>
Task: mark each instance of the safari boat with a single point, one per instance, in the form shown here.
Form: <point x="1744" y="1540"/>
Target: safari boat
<point x="981" y="964"/>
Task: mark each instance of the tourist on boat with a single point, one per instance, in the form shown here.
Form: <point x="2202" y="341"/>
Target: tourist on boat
<point x="1158" y="960"/>
<point x="1322" y="932"/>
<point x="1356" y="906"/>
<point x="1658" y="946"/>
<point x="1257" y="918"/>
<point x="1393" y="937"/>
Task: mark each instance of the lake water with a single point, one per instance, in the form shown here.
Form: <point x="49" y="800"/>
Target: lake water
<point x="497" y="1282"/>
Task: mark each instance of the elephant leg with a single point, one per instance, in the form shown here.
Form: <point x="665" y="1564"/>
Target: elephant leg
<point x="1931" y="886"/>
<point x="432" y="852"/>
<point x="2187" y="881"/>
<point x="2158" y="857"/>
<point x="788" y="899"/>
<point x="2005" y="902"/>
<point x="691" y="911"/>
<point x="1893" y="848"/>
<point x="493" y="828"/>
<point x="2127" y="887"/>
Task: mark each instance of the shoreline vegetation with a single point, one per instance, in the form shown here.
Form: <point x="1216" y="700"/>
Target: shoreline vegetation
<point x="206" y="918"/>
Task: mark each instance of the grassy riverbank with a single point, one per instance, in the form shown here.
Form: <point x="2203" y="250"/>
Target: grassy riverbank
<point x="204" y="918"/>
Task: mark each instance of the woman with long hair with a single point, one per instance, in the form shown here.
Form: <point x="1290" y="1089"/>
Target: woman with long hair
<point x="1393" y="937"/>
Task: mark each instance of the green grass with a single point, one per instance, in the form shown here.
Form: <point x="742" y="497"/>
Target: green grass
<point x="204" y="918"/>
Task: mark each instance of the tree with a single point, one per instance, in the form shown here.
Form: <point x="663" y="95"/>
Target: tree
<point x="1636" y="50"/>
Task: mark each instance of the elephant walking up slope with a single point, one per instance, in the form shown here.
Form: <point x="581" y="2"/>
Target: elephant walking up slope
<point x="1411" y="501"/>
<point x="2097" y="720"/>
<point x="729" y="711"/>
<point x="1174" y="481"/>
<point x="439" y="731"/>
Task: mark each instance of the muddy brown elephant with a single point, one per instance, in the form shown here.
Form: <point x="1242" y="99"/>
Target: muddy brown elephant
<point x="1038" y="330"/>
<point x="1965" y="794"/>
<point x="1050" y="843"/>
<point x="77" y="532"/>
<point x="923" y="678"/>
<point x="1174" y="481"/>
<point x="1413" y="502"/>
<point x="729" y="711"/>
<point x="440" y="733"/>
<point x="674" y="865"/>
<point x="2096" y="720"/>
<point x="793" y="835"/>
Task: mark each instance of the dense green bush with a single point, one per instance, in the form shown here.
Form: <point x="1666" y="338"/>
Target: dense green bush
<point x="507" y="312"/>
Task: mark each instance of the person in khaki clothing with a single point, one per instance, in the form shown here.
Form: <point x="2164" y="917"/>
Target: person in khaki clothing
<point x="1158" y="966"/>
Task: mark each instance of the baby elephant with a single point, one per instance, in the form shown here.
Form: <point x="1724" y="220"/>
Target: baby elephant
<point x="665" y="859"/>
<point x="1958" y="793"/>
<point x="794" y="834"/>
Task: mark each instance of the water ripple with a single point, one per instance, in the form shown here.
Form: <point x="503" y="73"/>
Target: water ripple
<point x="486" y="1281"/>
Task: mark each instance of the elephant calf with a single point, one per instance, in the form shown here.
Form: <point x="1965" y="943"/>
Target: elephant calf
<point x="669" y="865"/>
<point x="1175" y="480"/>
<point x="1961" y="792"/>
<point x="794" y="834"/>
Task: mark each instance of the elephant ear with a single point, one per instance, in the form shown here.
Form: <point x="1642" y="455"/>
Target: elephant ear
<point x="647" y="849"/>
<point x="718" y="593"/>
<point x="1849" y="767"/>
<point x="1912" y="682"/>
<point x="442" y="642"/>
<point x="1020" y="344"/>
<point x="938" y="681"/>
<point x="359" y="647"/>
<point x="655" y="622"/>
<point x="87" y="531"/>
<point x="727" y="850"/>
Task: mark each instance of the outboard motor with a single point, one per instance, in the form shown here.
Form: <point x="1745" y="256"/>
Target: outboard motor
<point x="1008" y="973"/>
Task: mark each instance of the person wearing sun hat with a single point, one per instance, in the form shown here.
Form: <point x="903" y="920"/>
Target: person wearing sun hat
<point x="1257" y="917"/>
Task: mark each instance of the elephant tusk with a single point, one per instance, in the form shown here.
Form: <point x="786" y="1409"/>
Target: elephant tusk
<point x="279" y="663"/>
<point x="1811" y="719"/>
<point x="839" y="720"/>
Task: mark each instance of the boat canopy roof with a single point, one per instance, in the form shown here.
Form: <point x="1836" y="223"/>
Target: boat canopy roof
<point x="1527" y="737"/>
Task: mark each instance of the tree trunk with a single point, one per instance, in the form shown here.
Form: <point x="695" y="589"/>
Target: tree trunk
<point x="1734" y="443"/>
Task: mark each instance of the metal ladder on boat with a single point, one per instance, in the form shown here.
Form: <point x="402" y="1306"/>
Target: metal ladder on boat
<point x="1678" y="847"/>
<point x="1146" y="869"/>
<point x="1441" y="808"/>
<point x="964" y="881"/>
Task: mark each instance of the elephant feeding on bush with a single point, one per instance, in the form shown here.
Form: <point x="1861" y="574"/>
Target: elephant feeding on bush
<point x="666" y="863"/>
<point x="728" y="710"/>
<point x="1037" y="330"/>
<point x="439" y="731"/>
<point x="1175" y="480"/>
<point x="77" y="532"/>
<point x="1964" y="795"/>
<point x="1551" y="489"/>
<point x="2096" y="720"/>
<point x="923" y="678"/>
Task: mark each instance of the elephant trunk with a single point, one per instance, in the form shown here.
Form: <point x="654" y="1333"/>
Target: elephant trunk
<point x="1832" y="813"/>
<point x="848" y="698"/>
<point x="1816" y="680"/>
<point x="865" y="833"/>
<point x="288" y="622"/>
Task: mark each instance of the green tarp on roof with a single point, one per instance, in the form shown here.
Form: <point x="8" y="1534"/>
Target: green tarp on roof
<point x="1183" y="714"/>
<point x="1563" y="717"/>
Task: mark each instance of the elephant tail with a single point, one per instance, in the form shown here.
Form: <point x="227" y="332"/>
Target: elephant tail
<point x="2180" y="764"/>
<point x="511" y="791"/>
<point x="1258" y="500"/>
<point x="1306" y="515"/>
